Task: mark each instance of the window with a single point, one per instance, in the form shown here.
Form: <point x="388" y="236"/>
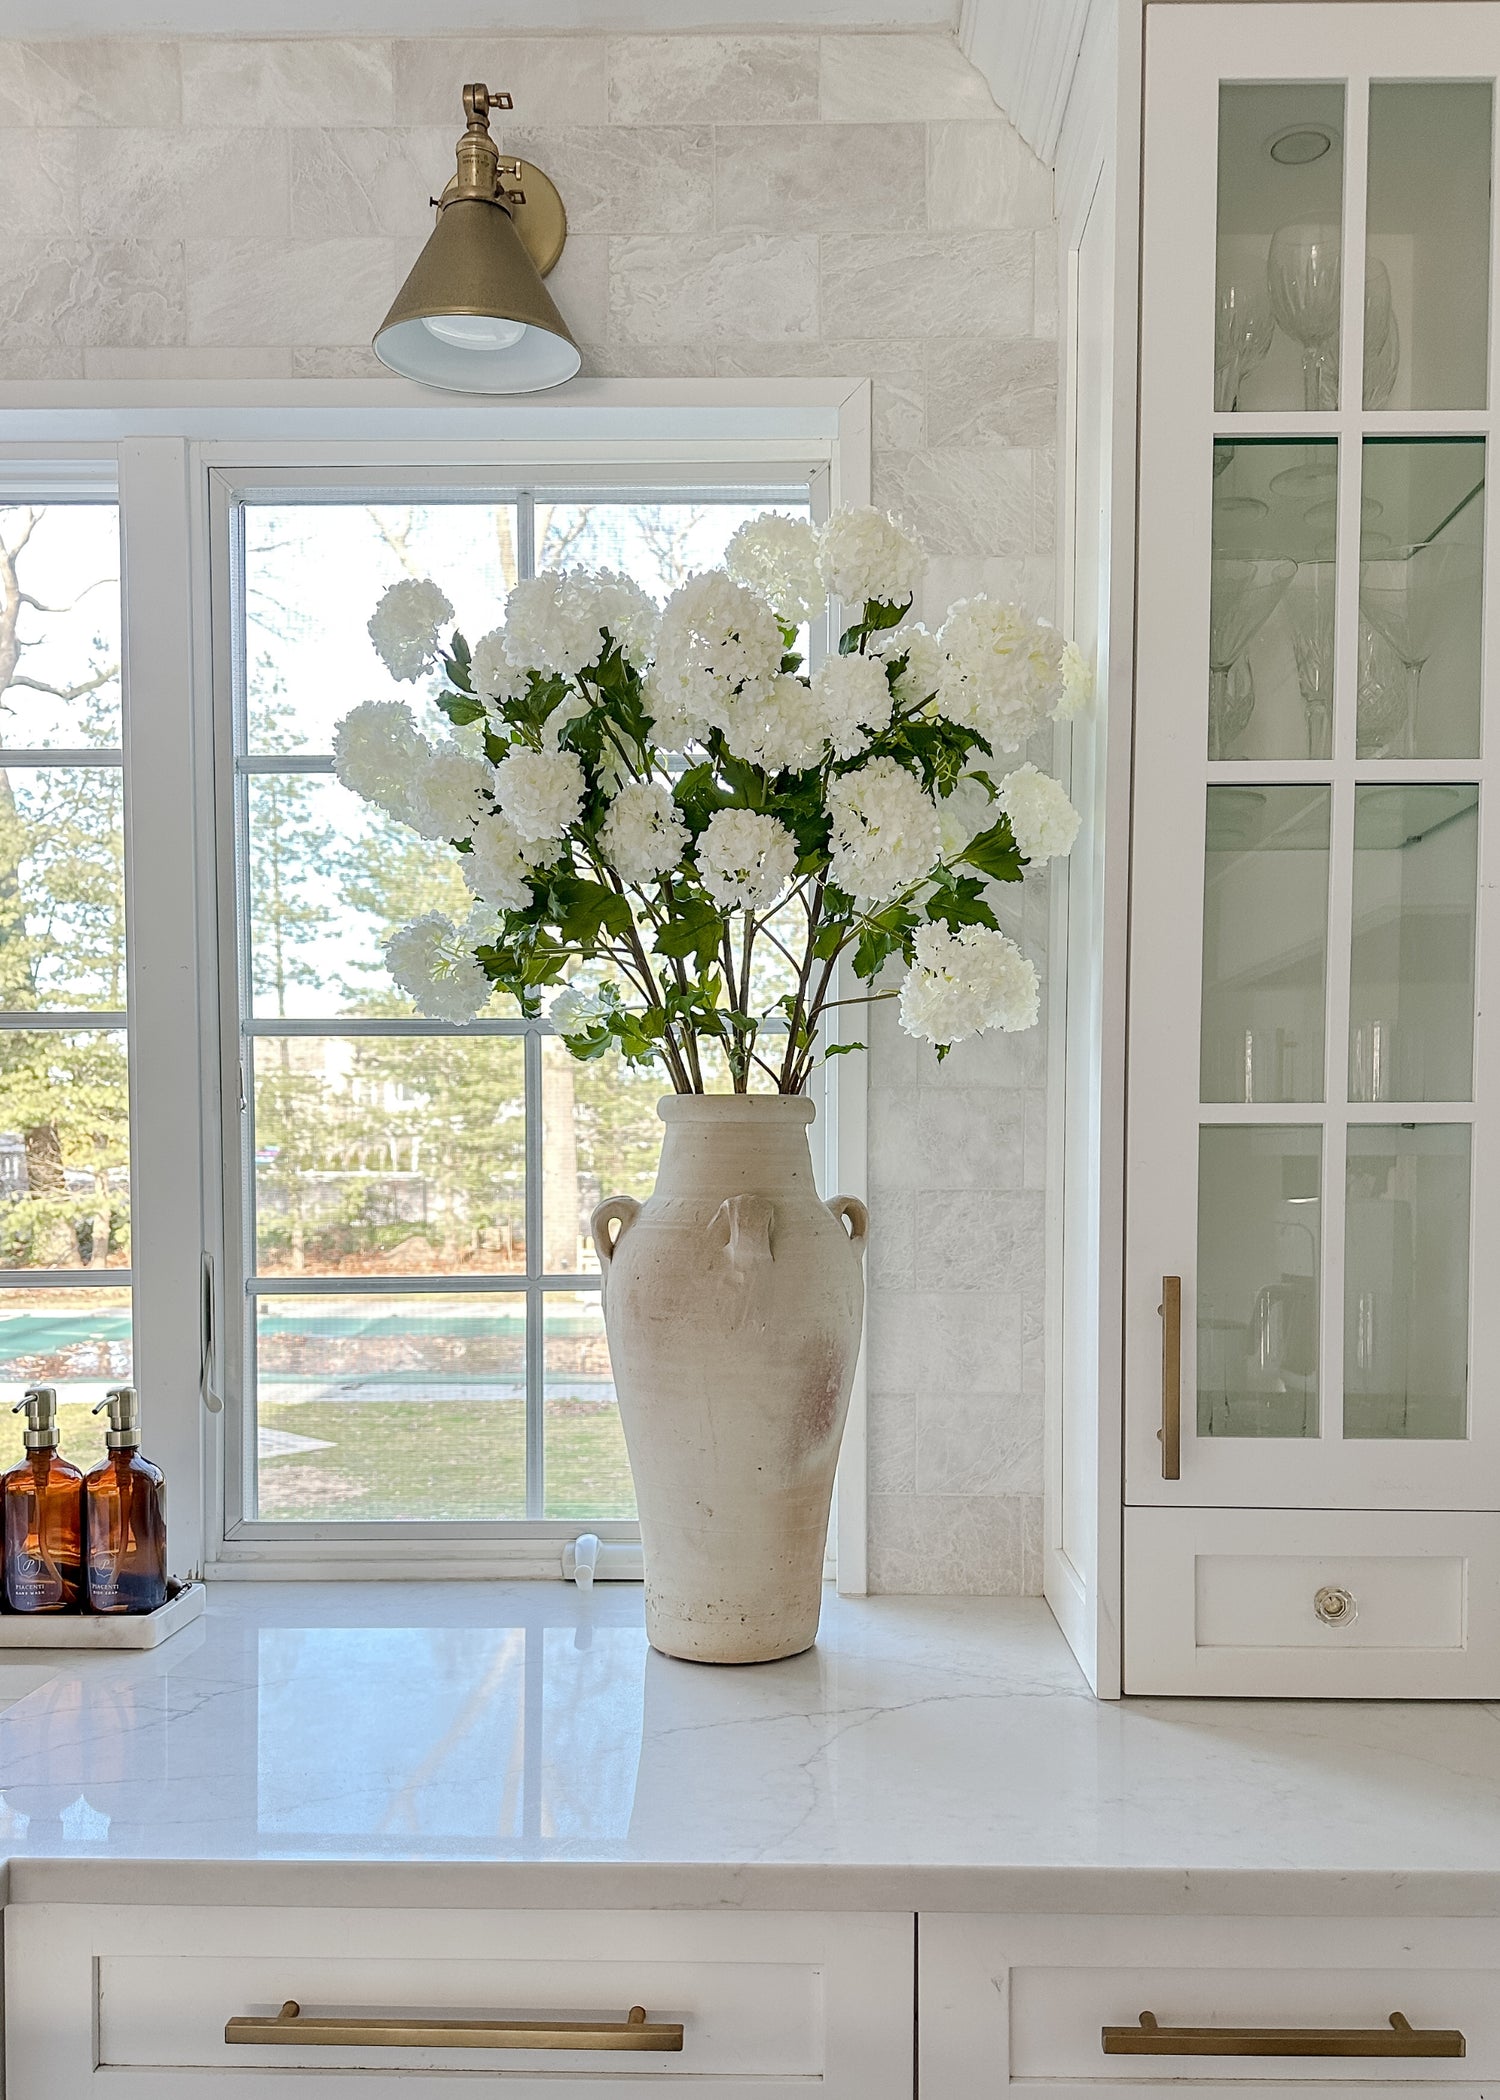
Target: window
<point x="421" y="1336"/>
<point x="65" y="1254"/>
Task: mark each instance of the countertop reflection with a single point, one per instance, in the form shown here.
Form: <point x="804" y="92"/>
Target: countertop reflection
<point x="530" y="1723"/>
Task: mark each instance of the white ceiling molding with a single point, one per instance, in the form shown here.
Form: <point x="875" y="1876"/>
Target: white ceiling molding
<point x="1027" y="50"/>
<point x="355" y="18"/>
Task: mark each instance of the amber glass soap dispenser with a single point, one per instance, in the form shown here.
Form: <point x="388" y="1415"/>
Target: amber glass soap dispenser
<point x="125" y="1533"/>
<point x="43" y="1560"/>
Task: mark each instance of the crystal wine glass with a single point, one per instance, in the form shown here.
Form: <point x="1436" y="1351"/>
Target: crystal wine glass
<point x="1383" y="700"/>
<point x="1304" y="278"/>
<point x="1242" y="597"/>
<point x="1310" y="609"/>
<point x="1382" y="336"/>
<point x="1405" y="601"/>
<point x="1242" y="335"/>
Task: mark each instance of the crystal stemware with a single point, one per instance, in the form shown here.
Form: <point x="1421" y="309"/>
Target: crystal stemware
<point x="1382" y="336"/>
<point x="1406" y="601"/>
<point x="1242" y="335"/>
<point x="1310" y="610"/>
<point x="1242" y="597"/>
<point x="1304" y="278"/>
<point x="1383" y="701"/>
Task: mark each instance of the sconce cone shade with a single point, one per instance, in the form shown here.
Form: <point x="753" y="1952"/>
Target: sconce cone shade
<point x="475" y="266"/>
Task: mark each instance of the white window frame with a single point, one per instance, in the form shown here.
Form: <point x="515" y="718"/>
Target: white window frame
<point x="176" y="453"/>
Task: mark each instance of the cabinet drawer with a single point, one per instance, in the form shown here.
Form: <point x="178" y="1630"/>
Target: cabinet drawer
<point x="1227" y="1601"/>
<point x="134" y="2002"/>
<point x="1011" y="2003"/>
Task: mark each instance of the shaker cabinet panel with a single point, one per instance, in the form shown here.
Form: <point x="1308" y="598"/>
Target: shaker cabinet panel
<point x="1313" y="1172"/>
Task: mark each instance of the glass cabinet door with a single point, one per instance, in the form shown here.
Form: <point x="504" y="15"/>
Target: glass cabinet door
<point x="1311" y="1099"/>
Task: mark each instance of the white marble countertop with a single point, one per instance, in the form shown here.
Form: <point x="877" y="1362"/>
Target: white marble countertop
<point x="446" y="1742"/>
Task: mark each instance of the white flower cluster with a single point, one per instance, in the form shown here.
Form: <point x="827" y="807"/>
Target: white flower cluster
<point x="433" y="963"/>
<point x="404" y="626"/>
<point x="962" y="815"/>
<point x="745" y="860"/>
<point x="1077" y="682"/>
<point x="540" y="792"/>
<point x="450" y="792"/>
<point x="498" y="865"/>
<point x="495" y="678"/>
<point x="1043" y="820"/>
<point x="885" y="831"/>
<point x="778" y="557"/>
<point x="553" y="622"/>
<point x="963" y="983"/>
<point x="865" y="555"/>
<point x="378" y="754"/>
<point x="776" y="726"/>
<point x="716" y="640"/>
<point x="924" y="661"/>
<point x="575" y="1008"/>
<point x="1001" y="673"/>
<point x="643" y="833"/>
<point x="854" y="697"/>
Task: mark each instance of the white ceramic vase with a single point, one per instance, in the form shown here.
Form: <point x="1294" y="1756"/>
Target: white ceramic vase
<point x="732" y="1302"/>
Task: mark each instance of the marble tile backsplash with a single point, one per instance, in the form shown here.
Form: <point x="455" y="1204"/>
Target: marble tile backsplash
<point x="746" y="206"/>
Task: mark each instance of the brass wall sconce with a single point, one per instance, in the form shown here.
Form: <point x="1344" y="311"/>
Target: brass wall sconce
<point x="474" y="314"/>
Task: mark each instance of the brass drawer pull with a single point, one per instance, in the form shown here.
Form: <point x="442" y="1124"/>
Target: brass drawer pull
<point x="1170" y="1432"/>
<point x="1399" y="2039"/>
<point x="288" y="2026"/>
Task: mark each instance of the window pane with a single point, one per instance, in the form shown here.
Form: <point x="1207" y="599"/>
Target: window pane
<point x="64" y="1150"/>
<point x="1411" y="982"/>
<point x="391" y="1407"/>
<point x="588" y="1472"/>
<point x="62" y="888"/>
<point x="1421" y="597"/>
<point x="1273" y="581"/>
<point x="1406" y="1282"/>
<point x="66" y="557"/>
<point x="313" y="573"/>
<point x="601" y="1136"/>
<point x="659" y="544"/>
<point x="330" y="880"/>
<point x="1427" y="254"/>
<point x="1279" y="280"/>
<point x="390" y="1156"/>
<point x="78" y="1340"/>
<point x="1259" y="1239"/>
<point x="1265" y="931"/>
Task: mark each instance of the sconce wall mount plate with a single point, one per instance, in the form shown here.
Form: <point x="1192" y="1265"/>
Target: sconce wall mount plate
<point x="474" y="315"/>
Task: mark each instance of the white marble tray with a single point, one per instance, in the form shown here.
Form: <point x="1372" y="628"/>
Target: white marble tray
<point x="147" y="1629"/>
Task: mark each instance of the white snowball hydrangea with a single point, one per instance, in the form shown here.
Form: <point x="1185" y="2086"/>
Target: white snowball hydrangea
<point x="1044" y="821"/>
<point x="498" y="865"/>
<point x="716" y="639"/>
<point x="853" y="696"/>
<point x="450" y="793"/>
<point x="575" y="1007"/>
<point x="572" y="704"/>
<point x="495" y="678"/>
<point x="1001" y="671"/>
<point x="379" y="753"/>
<point x="540" y="792"/>
<point x="919" y="681"/>
<point x="866" y="555"/>
<point x="404" y="625"/>
<point x="433" y="964"/>
<point x="777" y="726"/>
<point x="778" y="557"/>
<point x="1077" y="682"/>
<point x="745" y="860"/>
<point x="962" y="983"/>
<point x="964" y="814"/>
<point x="553" y="621"/>
<point x="643" y="833"/>
<point x="885" y="831"/>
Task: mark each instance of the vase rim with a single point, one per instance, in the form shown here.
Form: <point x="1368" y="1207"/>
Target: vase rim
<point x="727" y="1108"/>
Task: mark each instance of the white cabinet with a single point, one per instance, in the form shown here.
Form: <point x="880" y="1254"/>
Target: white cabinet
<point x="134" y="2002"/>
<point x="1057" y="2006"/>
<point x="1312" y="1445"/>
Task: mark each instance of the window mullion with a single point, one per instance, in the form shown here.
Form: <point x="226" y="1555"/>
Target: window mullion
<point x="536" y="1303"/>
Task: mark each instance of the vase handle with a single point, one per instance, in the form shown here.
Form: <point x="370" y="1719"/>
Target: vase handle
<point x="742" y="1224"/>
<point x="619" y="1211"/>
<point x="852" y="1213"/>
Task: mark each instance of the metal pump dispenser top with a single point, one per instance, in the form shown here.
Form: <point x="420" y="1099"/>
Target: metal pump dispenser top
<point x="124" y="1432"/>
<point x="40" y="1403"/>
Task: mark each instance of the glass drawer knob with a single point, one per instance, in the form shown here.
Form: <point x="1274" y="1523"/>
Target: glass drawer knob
<point x="1335" y="1607"/>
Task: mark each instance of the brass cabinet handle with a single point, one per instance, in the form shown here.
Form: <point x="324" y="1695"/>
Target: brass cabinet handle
<point x="635" y="2031"/>
<point x="1170" y="1432"/>
<point x="1399" y="2039"/>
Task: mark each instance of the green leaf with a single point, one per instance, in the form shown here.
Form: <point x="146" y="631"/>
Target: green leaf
<point x="995" y="853"/>
<point x="842" y="1049"/>
<point x="693" y="928"/>
<point x="584" y="909"/>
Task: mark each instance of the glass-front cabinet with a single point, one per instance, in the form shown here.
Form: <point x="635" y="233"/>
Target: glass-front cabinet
<point x="1313" y="1244"/>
